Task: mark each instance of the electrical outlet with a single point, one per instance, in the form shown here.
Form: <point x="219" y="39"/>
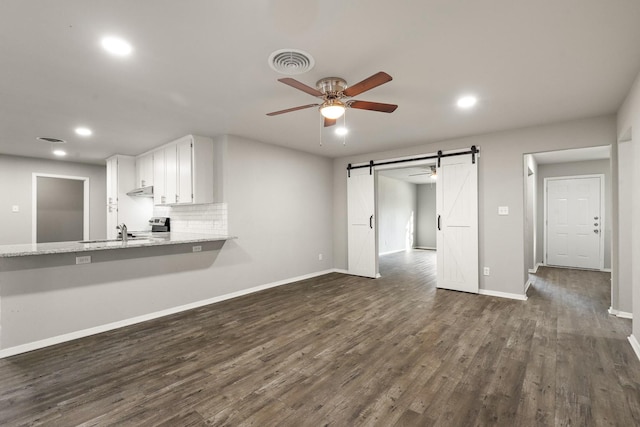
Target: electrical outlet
<point x="83" y="260"/>
<point x="503" y="210"/>
<point x="486" y="271"/>
<point x="197" y="248"/>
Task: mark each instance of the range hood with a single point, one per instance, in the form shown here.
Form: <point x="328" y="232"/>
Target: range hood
<point x="142" y="192"/>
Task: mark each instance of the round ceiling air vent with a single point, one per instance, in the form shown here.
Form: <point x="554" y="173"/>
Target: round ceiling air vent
<point x="291" y="61"/>
<point x="49" y="139"/>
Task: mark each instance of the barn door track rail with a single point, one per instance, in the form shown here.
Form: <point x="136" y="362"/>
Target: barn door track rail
<point x="473" y="151"/>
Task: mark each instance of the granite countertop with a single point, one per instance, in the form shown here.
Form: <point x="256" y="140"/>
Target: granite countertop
<point x="141" y="239"/>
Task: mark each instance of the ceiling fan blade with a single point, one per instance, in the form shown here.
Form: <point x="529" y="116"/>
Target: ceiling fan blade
<point x="300" y="86"/>
<point x="329" y="122"/>
<point x="368" y="83"/>
<point x="373" y="106"/>
<point x="288" y="110"/>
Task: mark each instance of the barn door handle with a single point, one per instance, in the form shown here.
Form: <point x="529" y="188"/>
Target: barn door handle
<point x="371" y="221"/>
<point x="439" y="223"/>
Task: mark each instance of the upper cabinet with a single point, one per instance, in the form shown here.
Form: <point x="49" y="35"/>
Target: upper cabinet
<point x="159" y="178"/>
<point x="144" y="170"/>
<point x="183" y="172"/>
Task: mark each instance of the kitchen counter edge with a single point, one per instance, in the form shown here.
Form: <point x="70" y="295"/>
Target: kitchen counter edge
<point x="157" y="239"/>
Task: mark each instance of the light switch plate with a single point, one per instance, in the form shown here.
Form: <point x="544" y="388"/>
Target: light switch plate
<point x="15" y="208"/>
<point x="197" y="248"/>
<point x="503" y="210"/>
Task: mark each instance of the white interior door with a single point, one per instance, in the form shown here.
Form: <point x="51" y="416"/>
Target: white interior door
<point x="457" y="217"/>
<point x="362" y="249"/>
<point x="574" y="222"/>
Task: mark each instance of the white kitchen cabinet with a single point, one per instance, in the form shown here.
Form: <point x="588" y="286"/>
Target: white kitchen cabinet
<point x="159" y="178"/>
<point x="183" y="173"/>
<point x="171" y="173"/>
<point x="144" y="170"/>
<point x="121" y="208"/>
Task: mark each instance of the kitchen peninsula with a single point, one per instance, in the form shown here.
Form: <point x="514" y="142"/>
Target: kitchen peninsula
<point x="56" y="292"/>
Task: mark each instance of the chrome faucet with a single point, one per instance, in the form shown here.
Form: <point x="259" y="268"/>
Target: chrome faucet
<point x="123" y="231"/>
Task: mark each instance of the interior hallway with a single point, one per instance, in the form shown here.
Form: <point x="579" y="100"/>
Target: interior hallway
<point x="342" y="350"/>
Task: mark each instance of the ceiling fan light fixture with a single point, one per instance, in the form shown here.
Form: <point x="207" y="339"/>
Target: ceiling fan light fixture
<point x="332" y="109"/>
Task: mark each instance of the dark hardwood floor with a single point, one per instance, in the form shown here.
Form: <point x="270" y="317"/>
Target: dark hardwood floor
<point x="339" y="350"/>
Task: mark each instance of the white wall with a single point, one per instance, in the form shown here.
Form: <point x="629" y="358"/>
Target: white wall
<point x="279" y="206"/>
<point x="628" y="129"/>
<point x="426" y="223"/>
<point x="574" y="169"/>
<point x="501" y="238"/>
<point x="15" y="188"/>
<point x="397" y="211"/>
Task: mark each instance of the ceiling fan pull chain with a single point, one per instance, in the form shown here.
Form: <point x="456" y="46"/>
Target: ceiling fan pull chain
<point x="321" y="126"/>
<point x="344" y="125"/>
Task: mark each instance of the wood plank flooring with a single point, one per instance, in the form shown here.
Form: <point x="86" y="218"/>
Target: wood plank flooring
<point x="341" y="351"/>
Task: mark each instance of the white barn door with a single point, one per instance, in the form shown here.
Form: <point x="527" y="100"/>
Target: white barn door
<point x="363" y="255"/>
<point x="574" y="222"/>
<point x="457" y="216"/>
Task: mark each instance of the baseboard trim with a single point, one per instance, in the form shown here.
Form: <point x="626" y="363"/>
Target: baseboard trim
<point x="526" y="287"/>
<point x="606" y="270"/>
<point x="502" y="294"/>
<point x="428" y="248"/>
<point x="392" y="252"/>
<point x="534" y="270"/>
<point x="634" y="345"/>
<point x="47" y="342"/>
<point x="618" y="313"/>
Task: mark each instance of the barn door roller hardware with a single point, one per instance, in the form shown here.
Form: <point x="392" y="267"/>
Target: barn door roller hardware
<point x="371" y="164"/>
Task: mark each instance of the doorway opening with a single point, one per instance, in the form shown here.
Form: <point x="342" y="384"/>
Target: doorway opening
<point x="60" y="210"/>
<point x="406" y="209"/>
<point x="456" y="217"/>
<point x="568" y="209"/>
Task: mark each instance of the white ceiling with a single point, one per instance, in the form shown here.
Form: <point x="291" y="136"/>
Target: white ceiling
<point x="200" y="67"/>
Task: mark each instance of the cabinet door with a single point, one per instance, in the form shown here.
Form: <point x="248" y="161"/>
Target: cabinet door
<point x="144" y="171"/>
<point x="112" y="197"/>
<point x="185" y="179"/>
<point x="112" y="181"/>
<point x="159" y="178"/>
<point x="171" y="174"/>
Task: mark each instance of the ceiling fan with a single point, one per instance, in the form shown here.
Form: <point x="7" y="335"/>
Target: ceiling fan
<point x="333" y="91"/>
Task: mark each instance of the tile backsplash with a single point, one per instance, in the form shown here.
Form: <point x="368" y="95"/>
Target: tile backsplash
<point x="207" y="219"/>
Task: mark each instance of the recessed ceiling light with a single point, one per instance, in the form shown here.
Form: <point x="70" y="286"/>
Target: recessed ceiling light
<point x="467" y="101"/>
<point x="83" y="131"/>
<point x="60" y="153"/>
<point x="116" y="46"/>
<point x="342" y="131"/>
